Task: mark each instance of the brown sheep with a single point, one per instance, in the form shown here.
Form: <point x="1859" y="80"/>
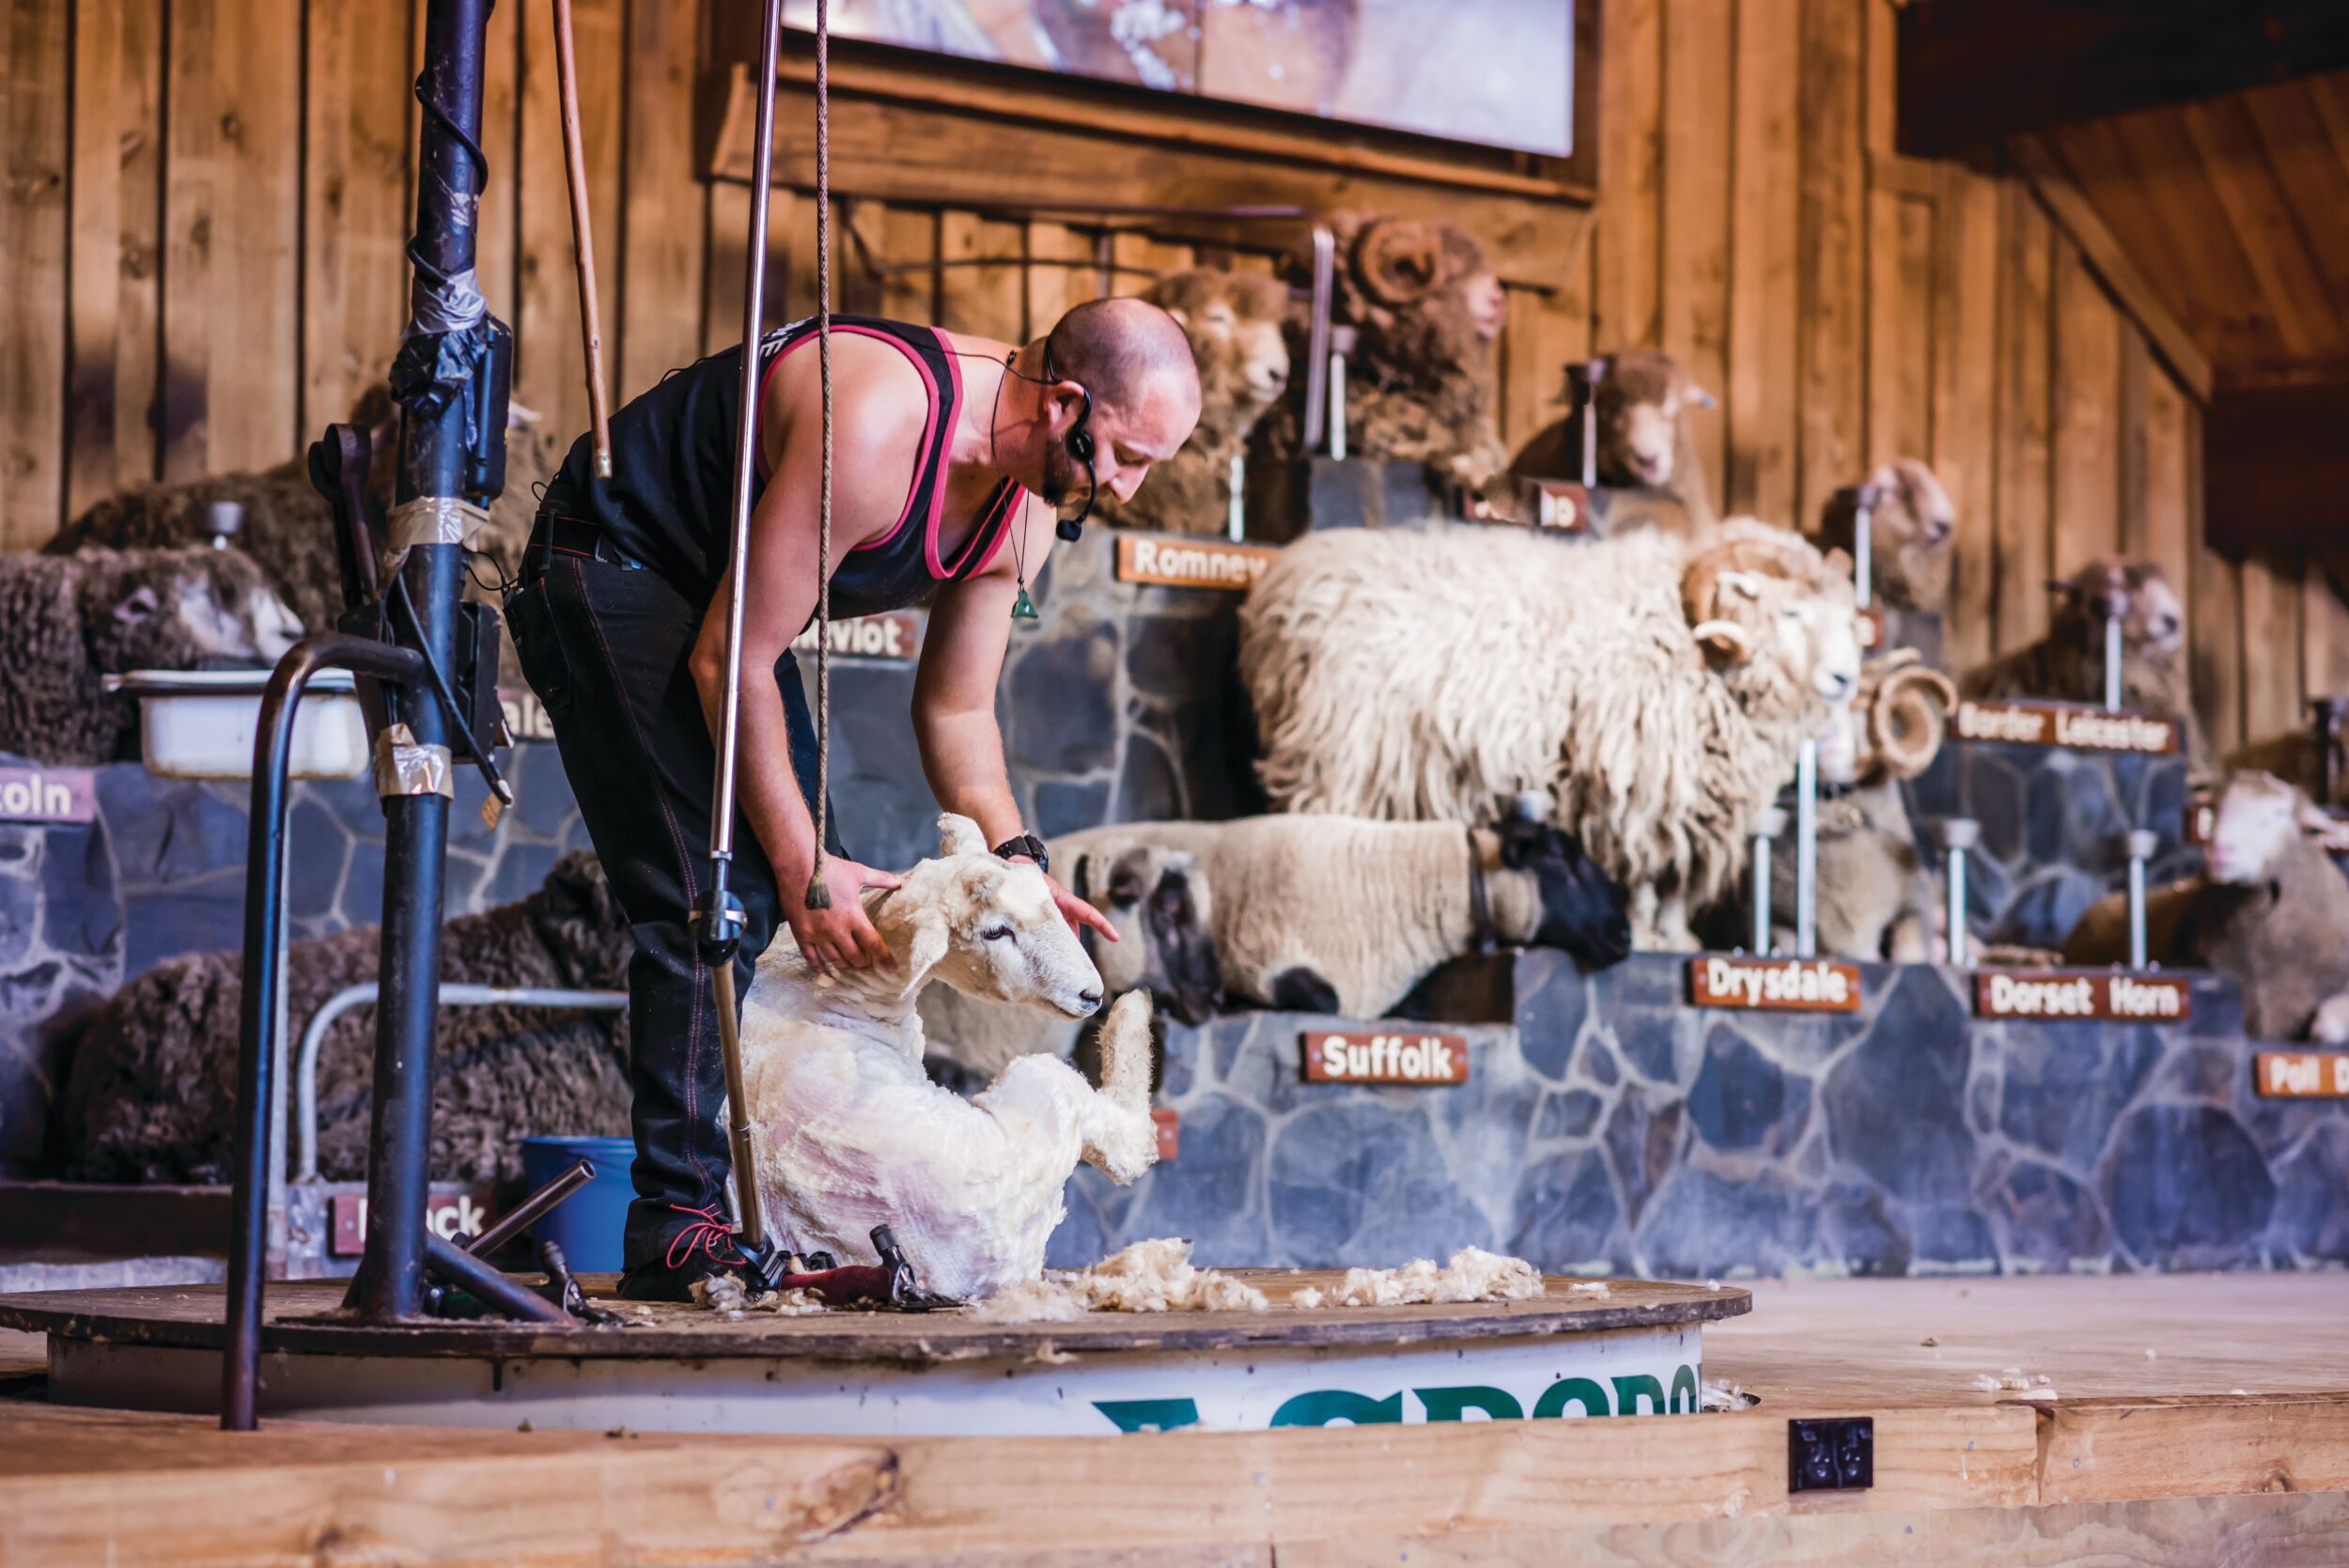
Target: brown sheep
<point x="1236" y="322"/>
<point x="1426" y="308"/>
<point x="1911" y="532"/>
<point x="73" y="620"/>
<point x="150" y="1092"/>
<point x="2068" y="663"/>
<point x="288" y="528"/>
<point x="1642" y="403"/>
<point x="2272" y="912"/>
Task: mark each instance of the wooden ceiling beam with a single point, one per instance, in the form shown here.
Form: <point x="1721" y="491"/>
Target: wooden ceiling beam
<point x="1971" y="72"/>
<point x="2072" y="211"/>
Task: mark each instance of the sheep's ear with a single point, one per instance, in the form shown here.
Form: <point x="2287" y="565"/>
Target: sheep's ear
<point x="1182" y="316"/>
<point x="1726" y="639"/>
<point x="1701" y="397"/>
<point x="959" y="835"/>
<point x="1746" y="585"/>
<point x="1128" y="878"/>
<point x="138" y="605"/>
<point x="1838" y="563"/>
<point x="926" y="940"/>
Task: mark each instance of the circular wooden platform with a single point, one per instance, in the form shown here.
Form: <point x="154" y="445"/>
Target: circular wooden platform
<point x="302" y="1317"/>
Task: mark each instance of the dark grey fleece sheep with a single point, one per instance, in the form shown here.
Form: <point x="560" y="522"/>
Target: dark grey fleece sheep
<point x="150" y="1093"/>
<point x="288" y="528"/>
<point x="69" y="620"/>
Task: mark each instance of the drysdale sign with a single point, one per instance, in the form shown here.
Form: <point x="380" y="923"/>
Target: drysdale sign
<point x="1774" y="985"/>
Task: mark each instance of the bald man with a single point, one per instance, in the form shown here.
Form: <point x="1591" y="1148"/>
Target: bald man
<point x="952" y="457"/>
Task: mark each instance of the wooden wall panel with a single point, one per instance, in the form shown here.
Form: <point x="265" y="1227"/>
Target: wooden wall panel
<point x="2022" y="551"/>
<point x="656" y="240"/>
<point x="550" y="374"/>
<point x="1631" y="172"/>
<point x="1965" y="399"/>
<point x="1760" y="402"/>
<point x="1692" y="256"/>
<point x="1900" y="341"/>
<point x="112" y="308"/>
<point x="35" y="70"/>
<point x="2084" y="435"/>
<point x="1833" y="328"/>
<point x="357" y="180"/>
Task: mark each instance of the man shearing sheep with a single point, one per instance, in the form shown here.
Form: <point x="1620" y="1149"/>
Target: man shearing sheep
<point x="953" y="458"/>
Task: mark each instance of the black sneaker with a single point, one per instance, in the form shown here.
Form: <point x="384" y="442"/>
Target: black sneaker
<point x="703" y="1248"/>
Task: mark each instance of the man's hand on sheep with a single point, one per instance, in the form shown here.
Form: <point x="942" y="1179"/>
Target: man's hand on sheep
<point x="1080" y="915"/>
<point x="843" y="936"/>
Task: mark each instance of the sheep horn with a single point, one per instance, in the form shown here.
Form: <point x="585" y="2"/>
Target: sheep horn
<point x="1400" y="261"/>
<point x="1708" y="633"/>
<point x="1908" y="719"/>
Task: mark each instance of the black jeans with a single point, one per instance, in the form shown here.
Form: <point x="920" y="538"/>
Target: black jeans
<point x="606" y="649"/>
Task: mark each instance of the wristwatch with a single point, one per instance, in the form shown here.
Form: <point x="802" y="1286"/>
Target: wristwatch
<point x="1028" y="845"/>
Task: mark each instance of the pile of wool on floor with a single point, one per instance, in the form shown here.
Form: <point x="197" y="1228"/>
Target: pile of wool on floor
<point x="1473" y="1275"/>
<point x="725" y="1293"/>
<point x="1148" y="1277"/>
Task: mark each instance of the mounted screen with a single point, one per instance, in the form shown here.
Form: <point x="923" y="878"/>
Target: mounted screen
<point x="1496" y="72"/>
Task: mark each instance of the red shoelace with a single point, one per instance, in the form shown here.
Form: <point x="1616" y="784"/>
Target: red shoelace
<point x="707" y="1232"/>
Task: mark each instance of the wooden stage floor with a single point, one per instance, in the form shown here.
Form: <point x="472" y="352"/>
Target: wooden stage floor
<point x="2228" y="1444"/>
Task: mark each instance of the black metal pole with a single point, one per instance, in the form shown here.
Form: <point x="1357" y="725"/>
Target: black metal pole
<point x="436" y="461"/>
<point x="265" y="867"/>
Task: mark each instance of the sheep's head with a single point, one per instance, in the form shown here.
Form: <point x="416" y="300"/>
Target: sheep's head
<point x="1424" y="301"/>
<point x="1912" y="533"/>
<point x="2136" y="593"/>
<point x="1641" y="404"/>
<point x="1159" y="903"/>
<point x="2258" y="820"/>
<point x="1777" y="620"/>
<point x="1583" y="910"/>
<point x="1235" y="321"/>
<point x="1894" y="728"/>
<point x="986" y="927"/>
<point x="192" y="607"/>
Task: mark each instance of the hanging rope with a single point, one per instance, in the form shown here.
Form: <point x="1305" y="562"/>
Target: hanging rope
<point x="819" y="894"/>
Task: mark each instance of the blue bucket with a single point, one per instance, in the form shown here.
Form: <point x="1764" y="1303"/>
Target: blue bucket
<point x="587" y="1225"/>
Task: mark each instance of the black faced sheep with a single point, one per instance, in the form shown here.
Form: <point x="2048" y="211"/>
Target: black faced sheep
<point x="288" y="528"/>
<point x="1658" y="695"/>
<point x="2068" y="663"/>
<point x="73" y="620"/>
<point x="1235" y="324"/>
<point x="1642" y="403"/>
<point x="1911" y="534"/>
<point x="1346" y="915"/>
<point x="1426" y="309"/>
<point x="1161" y="908"/>
<point x="150" y="1093"/>
<point x="2272" y="911"/>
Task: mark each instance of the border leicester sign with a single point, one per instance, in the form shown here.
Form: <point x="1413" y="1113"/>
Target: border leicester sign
<point x="2302" y="1073"/>
<point x="2082" y="728"/>
<point x="1774" y="985"/>
<point x="1332" y="1056"/>
<point x="2099" y="996"/>
<point x="1190" y="562"/>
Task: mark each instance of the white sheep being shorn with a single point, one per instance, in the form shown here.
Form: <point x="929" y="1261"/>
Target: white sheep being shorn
<point x="852" y="1133"/>
<point x="1165" y="945"/>
<point x="1658" y="695"/>
<point x="2272" y="911"/>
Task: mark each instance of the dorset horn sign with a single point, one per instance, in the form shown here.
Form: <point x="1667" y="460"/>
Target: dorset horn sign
<point x="2098" y="995"/>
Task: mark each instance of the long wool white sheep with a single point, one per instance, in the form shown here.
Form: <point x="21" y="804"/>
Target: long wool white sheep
<point x="1659" y="696"/>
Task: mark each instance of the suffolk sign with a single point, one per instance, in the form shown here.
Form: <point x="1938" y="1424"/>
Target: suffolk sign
<point x="1371" y="1057"/>
<point x="1774" y="985"/>
<point x="2024" y="723"/>
<point x="2105" y="996"/>
<point x="1190" y="564"/>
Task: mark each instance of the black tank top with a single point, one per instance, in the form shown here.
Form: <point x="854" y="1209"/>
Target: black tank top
<point x="669" y="501"/>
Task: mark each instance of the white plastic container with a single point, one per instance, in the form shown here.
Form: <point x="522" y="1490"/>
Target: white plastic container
<point x="201" y="723"/>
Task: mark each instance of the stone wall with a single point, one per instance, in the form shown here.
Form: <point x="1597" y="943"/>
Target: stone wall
<point x="1612" y="1127"/>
